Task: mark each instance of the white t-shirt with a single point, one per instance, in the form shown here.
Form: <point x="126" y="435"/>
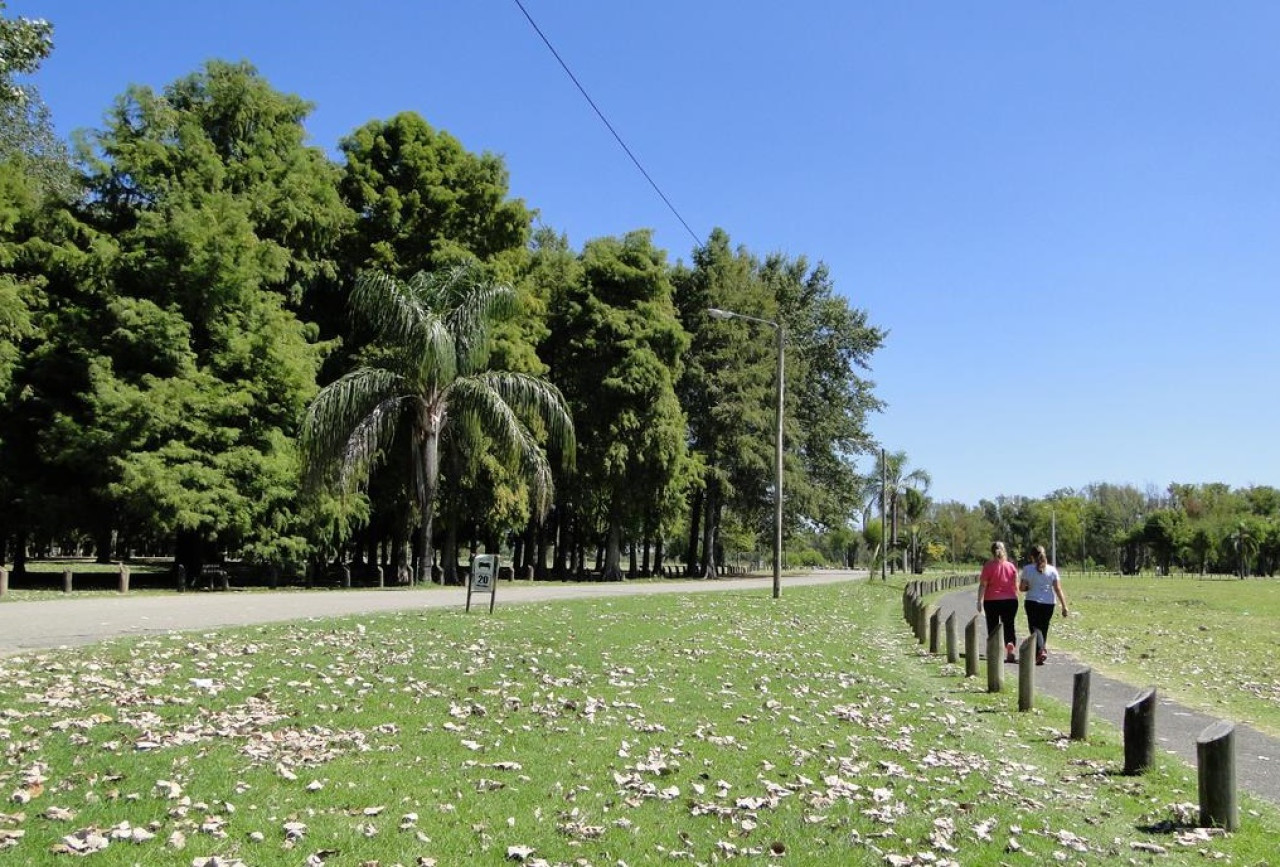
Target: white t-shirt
<point x="1040" y="584"/>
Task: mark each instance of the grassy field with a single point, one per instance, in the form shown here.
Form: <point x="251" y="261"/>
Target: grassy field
<point x="1209" y="643"/>
<point x="698" y="729"/>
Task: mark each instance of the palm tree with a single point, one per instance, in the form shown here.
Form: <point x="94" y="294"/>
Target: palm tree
<point x="427" y="377"/>
<point x="888" y="486"/>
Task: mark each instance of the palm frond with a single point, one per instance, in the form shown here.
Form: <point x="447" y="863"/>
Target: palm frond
<point x="347" y="423"/>
<point x="495" y="402"/>
<point x="534" y="396"/>
<point x="404" y="316"/>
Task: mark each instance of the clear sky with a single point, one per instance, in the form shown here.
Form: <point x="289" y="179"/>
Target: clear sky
<point x="1067" y="215"/>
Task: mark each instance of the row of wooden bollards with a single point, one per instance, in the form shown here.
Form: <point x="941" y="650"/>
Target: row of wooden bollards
<point x="1215" y="747"/>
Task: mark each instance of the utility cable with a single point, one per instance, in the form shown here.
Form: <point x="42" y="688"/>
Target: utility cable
<point x="696" y="240"/>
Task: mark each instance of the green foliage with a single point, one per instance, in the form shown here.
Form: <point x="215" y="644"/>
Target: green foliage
<point x="424" y="201"/>
<point x="24" y="45"/>
<point x="619" y="347"/>
<point x="427" y="378"/>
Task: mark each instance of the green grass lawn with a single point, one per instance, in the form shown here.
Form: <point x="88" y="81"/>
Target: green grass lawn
<point x="700" y="729"/>
<point x="1209" y="643"/>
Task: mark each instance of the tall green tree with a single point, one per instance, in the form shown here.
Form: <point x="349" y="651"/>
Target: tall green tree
<point x="829" y="349"/>
<point x="424" y="379"/>
<point x="623" y="345"/>
<point x="727" y="389"/>
<point x="198" y="367"/>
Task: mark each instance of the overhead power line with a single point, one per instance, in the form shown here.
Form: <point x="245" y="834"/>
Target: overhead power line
<point x="605" y="120"/>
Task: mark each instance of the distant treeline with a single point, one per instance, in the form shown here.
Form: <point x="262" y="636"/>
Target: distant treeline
<point x="1194" y="528"/>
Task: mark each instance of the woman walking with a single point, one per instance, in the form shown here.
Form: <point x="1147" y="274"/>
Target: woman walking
<point x="998" y="597"/>
<point x="1041" y="583"/>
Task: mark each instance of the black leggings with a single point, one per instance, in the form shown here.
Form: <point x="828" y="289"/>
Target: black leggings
<point x="1002" y="611"/>
<point x="1038" y="616"/>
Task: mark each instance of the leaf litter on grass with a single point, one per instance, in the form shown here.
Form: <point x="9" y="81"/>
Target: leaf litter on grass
<point x="704" y="730"/>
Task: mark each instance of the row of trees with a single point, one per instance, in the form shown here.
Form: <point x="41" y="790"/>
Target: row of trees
<point x="176" y="293"/>
<point x="1193" y="528"/>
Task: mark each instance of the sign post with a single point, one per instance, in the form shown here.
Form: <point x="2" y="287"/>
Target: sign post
<point x="484" y="578"/>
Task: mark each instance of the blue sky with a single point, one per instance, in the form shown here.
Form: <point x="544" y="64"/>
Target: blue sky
<point x="1067" y="215"/>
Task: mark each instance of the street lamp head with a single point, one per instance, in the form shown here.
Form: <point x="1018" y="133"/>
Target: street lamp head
<point x="717" y="313"/>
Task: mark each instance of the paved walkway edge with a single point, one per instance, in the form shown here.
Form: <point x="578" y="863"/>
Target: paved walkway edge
<point x="1177" y="727"/>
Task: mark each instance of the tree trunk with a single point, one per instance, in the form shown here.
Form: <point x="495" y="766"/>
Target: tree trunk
<point x="20" y="554"/>
<point x="540" y="557"/>
<point x="709" y="532"/>
<point x="691" y="562"/>
<point x="102" y="544"/>
<point x="189" y="553"/>
<point x="612" y="567"/>
<point x="430" y="477"/>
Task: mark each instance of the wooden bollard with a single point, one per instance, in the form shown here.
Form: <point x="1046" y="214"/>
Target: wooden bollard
<point x="922" y="621"/>
<point x="4" y="581"/>
<point x="124" y="578"/>
<point x="995" y="662"/>
<point x="346" y="577"/>
<point x="1140" y="732"/>
<point x="181" y="572"/>
<point x="1027" y="673"/>
<point x="224" y="580"/>
<point x="382" y="578"/>
<point x="273" y="576"/>
<point x="935" y="627"/>
<point x="1080" y="705"/>
<point x="66" y="580"/>
<point x="952" y="655"/>
<point x="1216" y="761"/>
<point x="971" y="647"/>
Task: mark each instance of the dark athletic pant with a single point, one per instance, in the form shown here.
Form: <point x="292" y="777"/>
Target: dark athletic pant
<point x="1038" y="616"/>
<point x="1002" y="611"/>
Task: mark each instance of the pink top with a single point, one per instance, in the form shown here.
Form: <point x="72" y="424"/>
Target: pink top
<point x="1001" y="579"/>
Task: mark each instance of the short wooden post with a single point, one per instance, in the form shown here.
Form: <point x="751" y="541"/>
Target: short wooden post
<point x="181" y="572"/>
<point x="1216" y="761"/>
<point x="382" y="578"/>
<point x="1140" y="732"/>
<point x="1080" y="705"/>
<point x="922" y="621"/>
<point x="273" y="576"/>
<point x="1027" y="673"/>
<point x="935" y="627"/>
<point x="953" y="655"/>
<point x="971" y="647"/>
<point x="124" y="578"/>
<point x="995" y="662"/>
<point x="66" y="580"/>
<point x="346" y="577"/>
<point x="4" y="581"/>
<point x="224" y="579"/>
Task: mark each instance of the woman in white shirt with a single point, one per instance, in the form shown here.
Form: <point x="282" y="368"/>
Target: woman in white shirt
<point x="1041" y="583"/>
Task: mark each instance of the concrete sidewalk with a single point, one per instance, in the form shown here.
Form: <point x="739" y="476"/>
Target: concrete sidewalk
<point x="1177" y="727"/>
<point x="72" y="622"/>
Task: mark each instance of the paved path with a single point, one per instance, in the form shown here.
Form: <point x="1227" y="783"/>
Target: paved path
<point x="45" y="625"/>
<point x="1177" y="727"/>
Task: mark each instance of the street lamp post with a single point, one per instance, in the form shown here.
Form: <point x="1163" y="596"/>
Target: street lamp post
<point x="716" y="313"/>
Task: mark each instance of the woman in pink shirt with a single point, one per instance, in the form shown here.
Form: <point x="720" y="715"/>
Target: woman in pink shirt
<point x="998" y="596"/>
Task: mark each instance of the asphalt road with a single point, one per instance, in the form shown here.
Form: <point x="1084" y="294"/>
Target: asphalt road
<point x="73" y="622"/>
